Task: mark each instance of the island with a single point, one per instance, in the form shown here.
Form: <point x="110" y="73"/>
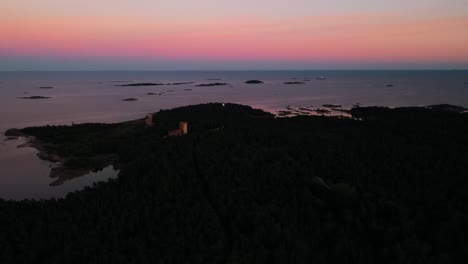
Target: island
<point x="211" y="84"/>
<point x="180" y="83"/>
<point x="153" y="84"/>
<point x="294" y="82"/>
<point x="254" y="82"/>
<point x="140" y="84"/>
<point x="448" y="107"/>
<point x="129" y="99"/>
<point x="46" y="87"/>
<point x="322" y="111"/>
<point x="34" y="97"/>
<point x="385" y="185"/>
<point x="331" y="106"/>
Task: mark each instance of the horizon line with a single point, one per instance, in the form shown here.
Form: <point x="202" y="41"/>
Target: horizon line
<point x="227" y="70"/>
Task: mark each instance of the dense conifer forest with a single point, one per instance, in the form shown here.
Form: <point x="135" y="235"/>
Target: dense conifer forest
<point x="386" y="186"/>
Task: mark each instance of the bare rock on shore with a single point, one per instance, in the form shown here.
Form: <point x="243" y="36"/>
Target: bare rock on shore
<point x="34" y="97"/>
<point x="140" y="84"/>
<point x="322" y="111"/>
<point x="49" y="157"/>
<point x="448" y="107"/>
<point x="295" y="82"/>
<point x="180" y="83"/>
<point x="331" y="106"/>
<point x="211" y="84"/>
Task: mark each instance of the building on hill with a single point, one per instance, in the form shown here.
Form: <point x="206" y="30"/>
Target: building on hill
<point x="184" y="127"/>
<point x="149" y="120"/>
<point x="182" y="130"/>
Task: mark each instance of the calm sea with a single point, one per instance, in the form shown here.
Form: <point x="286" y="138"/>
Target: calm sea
<point x="95" y="97"/>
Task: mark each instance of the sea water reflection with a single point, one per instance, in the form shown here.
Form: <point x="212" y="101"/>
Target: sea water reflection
<point x="24" y="176"/>
<point x="79" y="97"/>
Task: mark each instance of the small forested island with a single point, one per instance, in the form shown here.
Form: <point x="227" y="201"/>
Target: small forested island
<point x="254" y="82"/>
<point x="129" y="99"/>
<point x="245" y="186"/>
<point x="46" y="87"/>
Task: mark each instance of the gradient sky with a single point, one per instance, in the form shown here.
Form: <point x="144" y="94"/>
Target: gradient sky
<point x="241" y="34"/>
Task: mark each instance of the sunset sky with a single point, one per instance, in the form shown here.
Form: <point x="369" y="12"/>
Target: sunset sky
<point x="241" y="34"/>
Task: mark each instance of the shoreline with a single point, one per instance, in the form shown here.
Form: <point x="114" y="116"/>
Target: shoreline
<point x="58" y="169"/>
<point x="62" y="173"/>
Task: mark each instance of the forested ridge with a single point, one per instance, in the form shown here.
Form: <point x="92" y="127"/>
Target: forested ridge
<point x="387" y="186"/>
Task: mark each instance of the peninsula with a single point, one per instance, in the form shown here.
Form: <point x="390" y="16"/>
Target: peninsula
<point x="244" y="184"/>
